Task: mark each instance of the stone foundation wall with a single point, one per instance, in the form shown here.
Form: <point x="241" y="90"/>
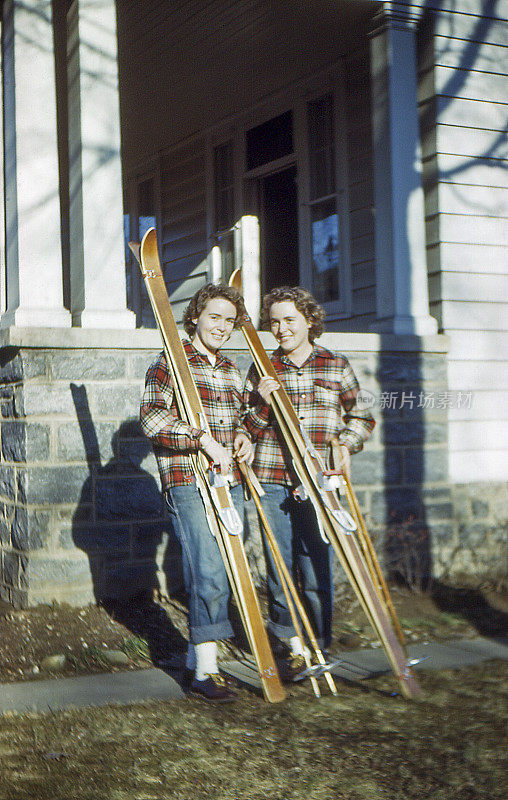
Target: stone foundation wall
<point x="479" y="544"/>
<point x="81" y="512"/>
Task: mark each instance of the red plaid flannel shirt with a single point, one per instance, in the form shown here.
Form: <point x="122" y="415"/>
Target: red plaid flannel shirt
<point x="319" y="390"/>
<point x="220" y="389"/>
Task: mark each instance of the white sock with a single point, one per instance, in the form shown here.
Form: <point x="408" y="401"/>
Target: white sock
<point x="206" y="660"/>
<point x="296" y="647"/>
<point x="190" y="661"/>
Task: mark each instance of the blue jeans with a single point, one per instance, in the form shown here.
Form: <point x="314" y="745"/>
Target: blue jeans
<point x="294" y="525"/>
<point x="204" y="573"/>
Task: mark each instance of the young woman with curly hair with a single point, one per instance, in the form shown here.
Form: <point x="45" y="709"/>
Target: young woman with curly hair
<point x="303" y="302"/>
<point x="211" y="316"/>
<point x="323" y="389"/>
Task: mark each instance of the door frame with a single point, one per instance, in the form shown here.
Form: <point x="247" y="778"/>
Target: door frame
<point x="253" y="196"/>
<point x="293" y="98"/>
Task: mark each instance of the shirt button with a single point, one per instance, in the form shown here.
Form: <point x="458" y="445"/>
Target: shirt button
<point x="303" y="395"/>
<point x="299" y="372"/>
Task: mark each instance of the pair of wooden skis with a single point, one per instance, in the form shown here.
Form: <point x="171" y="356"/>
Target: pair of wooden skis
<point x="358" y="560"/>
<point x="347" y="534"/>
<point x="222" y="517"/>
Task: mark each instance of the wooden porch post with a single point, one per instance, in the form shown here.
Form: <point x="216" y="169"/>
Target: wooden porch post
<point x="401" y="267"/>
<point x="33" y="278"/>
<point x="97" y="259"/>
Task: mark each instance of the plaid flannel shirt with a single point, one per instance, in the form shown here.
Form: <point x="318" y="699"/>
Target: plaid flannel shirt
<point x="319" y="390"/>
<point x="220" y="389"/>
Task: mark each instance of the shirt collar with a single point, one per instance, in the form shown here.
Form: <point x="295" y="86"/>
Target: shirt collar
<point x="317" y="350"/>
<point x="193" y="354"/>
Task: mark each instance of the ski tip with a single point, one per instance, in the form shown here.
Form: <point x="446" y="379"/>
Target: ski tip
<point x="235" y="280"/>
<point x="148" y="248"/>
<point x="150" y="234"/>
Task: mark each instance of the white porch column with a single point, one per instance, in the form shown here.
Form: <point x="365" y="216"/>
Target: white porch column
<point x="401" y="266"/>
<point x="251" y="265"/>
<point x="33" y="274"/>
<point x="3" y="276"/>
<point x="96" y="205"/>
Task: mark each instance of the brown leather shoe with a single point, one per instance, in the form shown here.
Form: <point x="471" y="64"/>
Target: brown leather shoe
<point x="291" y="666"/>
<point x="214" y="689"/>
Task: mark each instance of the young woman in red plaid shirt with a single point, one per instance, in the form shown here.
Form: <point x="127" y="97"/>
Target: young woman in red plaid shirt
<point x="211" y="316"/>
<point x="323" y="389"/>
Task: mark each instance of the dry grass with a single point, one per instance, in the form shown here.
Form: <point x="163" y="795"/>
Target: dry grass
<point x="362" y="745"/>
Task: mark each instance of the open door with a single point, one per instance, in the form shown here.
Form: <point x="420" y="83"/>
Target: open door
<point x="279" y="229"/>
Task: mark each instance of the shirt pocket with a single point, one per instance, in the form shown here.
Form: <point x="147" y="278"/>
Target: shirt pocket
<point x="327" y="406"/>
<point x="233" y="398"/>
<point x="327" y="393"/>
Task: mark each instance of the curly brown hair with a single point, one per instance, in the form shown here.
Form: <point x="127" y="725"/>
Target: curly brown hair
<point x="208" y="292"/>
<point x="304" y="303"/>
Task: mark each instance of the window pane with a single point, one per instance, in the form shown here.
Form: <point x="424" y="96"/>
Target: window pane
<point x="270" y="141"/>
<point x="146" y="220"/>
<point x="325" y="252"/>
<point x="145" y="197"/>
<point x="146" y="207"/>
<point x="321" y="147"/>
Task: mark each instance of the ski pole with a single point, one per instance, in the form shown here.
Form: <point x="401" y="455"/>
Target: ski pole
<point x="367" y="545"/>
<point x="290" y="592"/>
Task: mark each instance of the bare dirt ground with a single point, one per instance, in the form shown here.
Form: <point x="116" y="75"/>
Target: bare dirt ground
<point x="363" y="745"/>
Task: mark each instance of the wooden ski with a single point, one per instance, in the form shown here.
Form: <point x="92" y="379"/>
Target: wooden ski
<point x="335" y="522"/>
<point x="222" y="517"/>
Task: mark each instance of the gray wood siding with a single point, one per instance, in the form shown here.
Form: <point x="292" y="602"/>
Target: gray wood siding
<point x="464" y="113"/>
<point x="183" y="223"/>
<point x="361" y="195"/>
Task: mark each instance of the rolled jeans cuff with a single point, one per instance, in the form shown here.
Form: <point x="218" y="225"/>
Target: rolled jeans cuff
<point x="286" y="631"/>
<point x="210" y="633"/>
<point x="281" y="631"/>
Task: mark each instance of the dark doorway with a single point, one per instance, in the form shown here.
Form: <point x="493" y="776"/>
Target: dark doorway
<point x="279" y="230"/>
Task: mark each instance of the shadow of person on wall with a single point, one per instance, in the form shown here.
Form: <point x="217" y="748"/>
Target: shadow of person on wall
<point x="121" y="523"/>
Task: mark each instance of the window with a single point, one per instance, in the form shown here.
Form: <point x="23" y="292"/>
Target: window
<point x="284" y="164"/>
<point x="146" y="206"/>
<point x="224" y="186"/>
<point x="270" y="141"/>
<point x="143" y="217"/>
<point x="324" y="220"/>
